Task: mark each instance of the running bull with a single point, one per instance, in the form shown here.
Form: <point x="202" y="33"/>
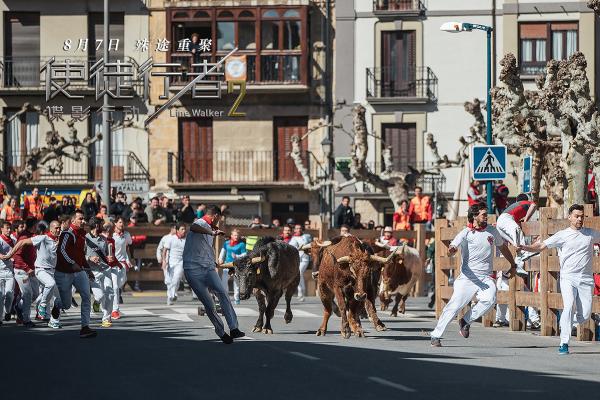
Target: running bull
<point x="346" y="271"/>
<point x="269" y="270"/>
<point x="399" y="277"/>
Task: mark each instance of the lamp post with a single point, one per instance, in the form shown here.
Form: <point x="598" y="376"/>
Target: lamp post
<point x="456" y="27"/>
<point x="106" y="134"/>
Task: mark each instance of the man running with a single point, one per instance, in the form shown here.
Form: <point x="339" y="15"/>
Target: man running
<point x="45" y="264"/>
<point x="200" y="272"/>
<point x="476" y="243"/>
<point x="160" y="249"/>
<point x="122" y="240"/>
<point x="99" y="258"/>
<point x="23" y="262"/>
<point x="575" y="246"/>
<point x="509" y="225"/>
<point x="173" y="261"/>
<point x="7" y="275"/>
<point x="72" y="269"/>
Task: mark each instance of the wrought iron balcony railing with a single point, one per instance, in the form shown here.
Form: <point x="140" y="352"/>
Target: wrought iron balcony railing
<point x="408" y="83"/>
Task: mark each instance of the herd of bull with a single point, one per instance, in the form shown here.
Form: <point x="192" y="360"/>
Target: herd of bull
<point x="351" y="273"/>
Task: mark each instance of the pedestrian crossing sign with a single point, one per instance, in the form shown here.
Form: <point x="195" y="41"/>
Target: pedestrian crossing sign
<point x="488" y="162"/>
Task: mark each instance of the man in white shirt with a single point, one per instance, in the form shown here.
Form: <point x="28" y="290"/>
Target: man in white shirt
<point x="7" y="275"/>
<point x="299" y="240"/>
<point x="45" y="265"/>
<point x="161" y="247"/>
<point x="173" y="261"/>
<point x="575" y="250"/>
<point x="122" y="240"/>
<point x="476" y="243"/>
<point x="199" y="267"/>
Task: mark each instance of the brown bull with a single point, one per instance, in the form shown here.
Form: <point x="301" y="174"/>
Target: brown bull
<point x="346" y="273"/>
<point x="399" y="277"/>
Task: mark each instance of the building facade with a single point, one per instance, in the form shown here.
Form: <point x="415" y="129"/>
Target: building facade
<point x="414" y="79"/>
<point x="38" y="34"/>
<point x="197" y="148"/>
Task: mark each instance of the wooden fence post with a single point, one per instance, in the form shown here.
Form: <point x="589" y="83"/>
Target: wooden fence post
<point x="547" y="281"/>
<point x="420" y="246"/>
<point x="441" y="279"/>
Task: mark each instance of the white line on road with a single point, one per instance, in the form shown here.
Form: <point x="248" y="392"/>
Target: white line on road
<point x="299" y="313"/>
<point x="307" y="356"/>
<point x="177" y="317"/>
<point x="394" y="385"/>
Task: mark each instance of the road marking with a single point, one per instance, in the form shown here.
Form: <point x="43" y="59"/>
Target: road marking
<point x="299" y="313"/>
<point x="307" y="356"/>
<point x="394" y="385"/>
<point x="136" y="312"/>
<point x="245" y="312"/>
<point x="186" y="310"/>
<point x="177" y="317"/>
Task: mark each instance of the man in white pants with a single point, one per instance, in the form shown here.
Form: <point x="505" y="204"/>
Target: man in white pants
<point x="509" y="225"/>
<point x="122" y="240"/>
<point x="299" y="240"/>
<point x="173" y="256"/>
<point x="99" y="259"/>
<point x="7" y="276"/>
<point x="575" y="250"/>
<point x="45" y="265"/>
<point x="160" y="249"/>
<point x="476" y="244"/>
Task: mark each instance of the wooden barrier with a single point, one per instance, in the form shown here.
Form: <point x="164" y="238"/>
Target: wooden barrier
<point x="548" y="300"/>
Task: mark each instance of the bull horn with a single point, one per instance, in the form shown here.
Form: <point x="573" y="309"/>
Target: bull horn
<point x="306" y="247"/>
<point x="225" y="266"/>
<point x="343" y="259"/>
<point x="256" y="260"/>
<point x="379" y="244"/>
<point x="324" y="244"/>
<point x="384" y="259"/>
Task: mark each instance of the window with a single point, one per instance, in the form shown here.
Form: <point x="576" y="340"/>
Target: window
<point x="402" y="138"/>
<point x="22" y="49"/>
<point x="96" y="32"/>
<point x="117" y="144"/>
<point x="274" y="40"/>
<point x="540" y="42"/>
<point x="21" y="136"/>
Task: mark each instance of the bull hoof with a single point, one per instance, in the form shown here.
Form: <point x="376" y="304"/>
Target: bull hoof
<point x="288" y="318"/>
<point x="394" y="314"/>
<point x="380" y="327"/>
<point x="359" y="333"/>
<point x="321" y="332"/>
<point x="267" y="331"/>
<point x="383" y="307"/>
<point x="257" y="329"/>
<point x="346" y="334"/>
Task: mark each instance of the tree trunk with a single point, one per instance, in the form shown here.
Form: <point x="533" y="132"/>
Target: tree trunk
<point x="397" y="193"/>
<point x="576" y="174"/>
<point x="536" y="176"/>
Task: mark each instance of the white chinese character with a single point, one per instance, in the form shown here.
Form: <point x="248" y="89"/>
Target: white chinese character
<point x="142" y="45"/>
<point x="205" y="45"/>
<point x="184" y="45"/>
<point x="162" y="45"/>
<point x="114" y="42"/>
<point x="83" y="44"/>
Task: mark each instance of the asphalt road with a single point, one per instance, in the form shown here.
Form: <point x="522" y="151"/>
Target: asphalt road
<point x="161" y="352"/>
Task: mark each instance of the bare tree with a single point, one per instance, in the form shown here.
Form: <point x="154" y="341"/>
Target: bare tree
<point x="50" y="157"/>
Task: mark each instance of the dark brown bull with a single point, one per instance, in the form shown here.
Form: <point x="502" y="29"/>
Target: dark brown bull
<point x="399" y="277"/>
<point x="346" y="273"/>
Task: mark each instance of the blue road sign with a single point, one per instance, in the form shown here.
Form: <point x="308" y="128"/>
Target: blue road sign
<point x="488" y="162"/>
<point x="527" y="174"/>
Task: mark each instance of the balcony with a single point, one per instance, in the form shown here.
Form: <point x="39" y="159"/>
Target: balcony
<point x="232" y="167"/>
<point x="126" y="166"/>
<point x="387" y="85"/>
<point x="392" y="8"/>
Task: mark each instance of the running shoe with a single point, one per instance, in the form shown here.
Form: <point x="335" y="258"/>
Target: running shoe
<point x="436" y="342"/>
<point x="236" y="333"/>
<point x="237" y="302"/>
<point x="7" y="317"/>
<point x="464" y="328"/>
<point x="226" y="339"/>
<point x="115" y="315"/>
<point x="54" y="324"/>
<point x="96" y="306"/>
<point x="41" y="310"/>
<point x="86" y="332"/>
<point x="563" y="349"/>
<point x="74" y="302"/>
<point x="106" y="324"/>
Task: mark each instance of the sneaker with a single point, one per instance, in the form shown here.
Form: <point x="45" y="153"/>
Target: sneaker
<point x="464" y="328"/>
<point x="500" y="324"/>
<point x="226" y="339"/>
<point x="536" y="325"/>
<point x="169" y="301"/>
<point x="301" y="299"/>
<point x="115" y="315"/>
<point x="106" y="324"/>
<point x="74" y="302"/>
<point x="41" y="310"/>
<point x="86" y="332"/>
<point x="236" y="333"/>
<point x="175" y="299"/>
<point x="563" y="349"/>
<point x="54" y="324"/>
<point x="7" y="317"/>
<point x="29" y="324"/>
<point x="236" y="302"/>
<point x="96" y="307"/>
<point x="436" y="342"/>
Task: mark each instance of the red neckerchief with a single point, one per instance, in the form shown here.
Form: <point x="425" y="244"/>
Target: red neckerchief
<point x="233" y="242"/>
<point x="51" y="236"/>
<point x="77" y="231"/>
<point x="9" y="241"/>
<point x="473" y="229"/>
<point x="297" y="234"/>
<point x="208" y="219"/>
<point x="179" y="237"/>
<point x="286" y="239"/>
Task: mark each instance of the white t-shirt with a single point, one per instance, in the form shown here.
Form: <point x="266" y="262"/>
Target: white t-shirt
<point x="175" y="246"/>
<point x="46" y="251"/>
<point x="575" y="251"/>
<point x="477" y="250"/>
<point x="198" y="251"/>
<point x="161" y="246"/>
<point x="121" y="243"/>
<point x="6" y="267"/>
<point x="298" y="242"/>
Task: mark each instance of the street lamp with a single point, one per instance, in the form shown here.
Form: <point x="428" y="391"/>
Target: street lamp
<point x="327" y="146"/>
<point x="456" y="27"/>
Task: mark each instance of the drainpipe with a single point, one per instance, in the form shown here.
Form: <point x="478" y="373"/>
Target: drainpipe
<point x="494" y="55"/>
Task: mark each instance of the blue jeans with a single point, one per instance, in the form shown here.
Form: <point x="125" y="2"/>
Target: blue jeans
<point x="81" y="282"/>
<point x="201" y="280"/>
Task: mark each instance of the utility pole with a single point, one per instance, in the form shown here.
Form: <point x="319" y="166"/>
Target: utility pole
<point x="106" y="134"/>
